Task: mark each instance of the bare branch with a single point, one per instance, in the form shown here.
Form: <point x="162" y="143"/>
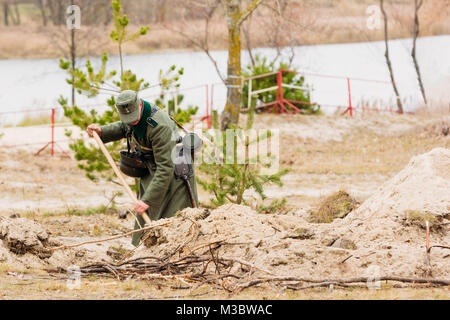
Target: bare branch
<point x="201" y="41"/>
<point x="249" y="10"/>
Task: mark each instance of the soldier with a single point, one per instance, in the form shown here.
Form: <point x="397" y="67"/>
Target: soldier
<point x="153" y="133"/>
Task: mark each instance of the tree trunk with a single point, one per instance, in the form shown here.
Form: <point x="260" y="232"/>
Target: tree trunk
<point x="41" y="5"/>
<point x="388" y="60"/>
<point x="417" y="5"/>
<point x="121" y="61"/>
<point x="73" y="58"/>
<point x="17" y="14"/>
<point x="5" y="13"/>
<point x="233" y="104"/>
<point x="61" y="12"/>
<point x="108" y="15"/>
<point x="161" y="11"/>
<point x="53" y="11"/>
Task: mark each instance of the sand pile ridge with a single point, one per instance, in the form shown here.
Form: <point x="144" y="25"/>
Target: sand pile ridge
<point x="384" y="234"/>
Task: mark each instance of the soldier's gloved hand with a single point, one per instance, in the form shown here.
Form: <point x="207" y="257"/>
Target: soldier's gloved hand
<point x="141" y="207"/>
<point x="94" y="127"/>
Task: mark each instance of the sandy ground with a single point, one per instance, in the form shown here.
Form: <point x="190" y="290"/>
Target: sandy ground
<point x="352" y="154"/>
<point x="315" y="169"/>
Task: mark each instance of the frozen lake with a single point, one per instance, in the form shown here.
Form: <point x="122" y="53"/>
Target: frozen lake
<point x="37" y="84"/>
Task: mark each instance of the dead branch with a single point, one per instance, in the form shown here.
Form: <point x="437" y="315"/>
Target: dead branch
<point x="111" y="238"/>
<point x="200" y="41"/>
<point x="249" y="10"/>
<point x="345" y="281"/>
<point x="439" y="246"/>
<point x="194" y="237"/>
<point x="247" y="264"/>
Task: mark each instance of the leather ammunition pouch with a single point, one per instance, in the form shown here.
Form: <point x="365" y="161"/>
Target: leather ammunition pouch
<point x="132" y="164"/>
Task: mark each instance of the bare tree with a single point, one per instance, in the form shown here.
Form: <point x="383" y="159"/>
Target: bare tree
<point x="41" y="4"/>
<point x="6" y="13"/>
<point x="206" y="9"/>
<point x="284" y="23"/>
<point x="248" y="39"/>
<point x="16" y="15"/>
<point x="11" y="12"/>
<point x="417" y="5"/>
<point x="73" y="56"/>
<point x="388" y="60"/>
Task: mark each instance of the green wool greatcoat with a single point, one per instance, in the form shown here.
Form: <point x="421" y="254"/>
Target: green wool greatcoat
<point x="160" y="189"/>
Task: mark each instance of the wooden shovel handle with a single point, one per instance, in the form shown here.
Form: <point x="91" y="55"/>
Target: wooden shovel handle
<point x="118" y="173"/>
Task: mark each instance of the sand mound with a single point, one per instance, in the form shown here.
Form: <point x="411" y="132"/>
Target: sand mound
<point x="22" y="235"/>
<point x="423" y="185"/>
<point x="375" y="238"/>
<point x="390" y="224"/>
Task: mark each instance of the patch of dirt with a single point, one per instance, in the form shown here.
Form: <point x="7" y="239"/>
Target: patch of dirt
<point x="39" y="184"/>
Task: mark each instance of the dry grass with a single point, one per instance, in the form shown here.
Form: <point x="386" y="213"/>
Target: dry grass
<point x="313" y="22"/>
<point x="366" y="152"/>
<point x="94" y="288"/>
<point x="419" y="219"/>
<point x="4" y="268"/>
<point x="337" y="205"/>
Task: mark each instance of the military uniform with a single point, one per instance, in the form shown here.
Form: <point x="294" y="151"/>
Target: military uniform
<point x="155" y="135"/>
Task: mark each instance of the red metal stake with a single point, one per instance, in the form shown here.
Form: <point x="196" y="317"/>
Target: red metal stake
<point x="52" y="143"/>
<point x="280" y="90"/>
<point x="349" y="98"/>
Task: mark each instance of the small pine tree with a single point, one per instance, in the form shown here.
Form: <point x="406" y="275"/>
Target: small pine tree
<point x="228" y="180"/>
<point x="90" y="82"/>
